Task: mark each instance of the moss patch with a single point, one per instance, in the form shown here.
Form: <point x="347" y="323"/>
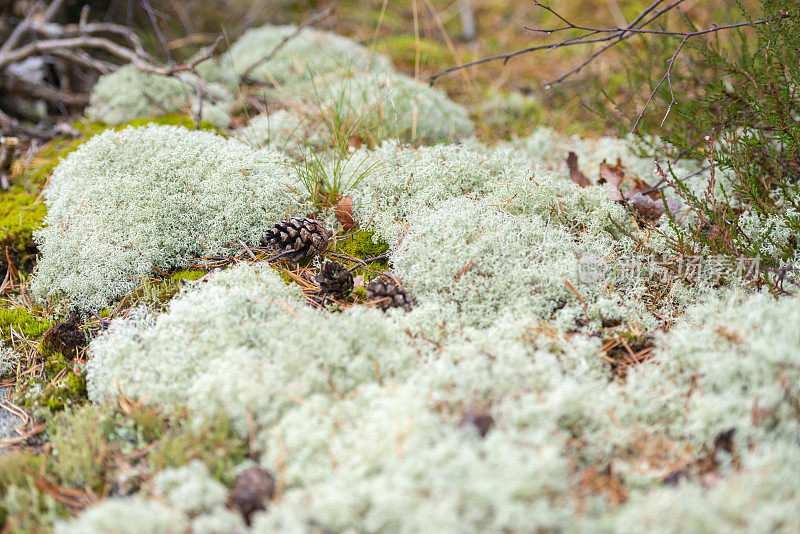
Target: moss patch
<point x="363" y="245"/>
<point x="19" y="217"/>
<point x="402" y="49"/>
<point x="157" y="292"/>
<point x="68" y="391"/>
<point x="216" y="445"/>
<point x="93" y="449"/>
<point x="188" y="276"/>
<point x="22" y="322"/>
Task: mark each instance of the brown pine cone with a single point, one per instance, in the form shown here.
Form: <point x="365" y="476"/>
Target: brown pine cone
<point x="64" y="337"/>
<point x="251" y="491"/>
<point x="335" y="279"/>
<point x="298" y="238"/>
<point x="387" y="294"/>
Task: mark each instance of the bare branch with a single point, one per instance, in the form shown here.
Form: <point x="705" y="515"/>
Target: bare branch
<point x="310" y="21"/>
<point x="611" y="37"/>
<point x="24" y="26"/>
<point x="85" y="41"/>
<point x="54" y="31"/>
<point x="10" y="125"/>
<point x="44" y="92"/>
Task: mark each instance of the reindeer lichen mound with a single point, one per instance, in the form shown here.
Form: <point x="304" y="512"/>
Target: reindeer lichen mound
<point x="129" y="202"/>
<point x="128" y="93"/>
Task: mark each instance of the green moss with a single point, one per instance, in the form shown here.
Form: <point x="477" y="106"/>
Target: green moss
<point x="19" y="217"/>
<point x="363" y="245"/>
<point x="16" y="468"/>
<point x="402" y="49"/>
<point x="285" y="277"/>
<point x="158" y="292"/>
<point x="22" y="322"/>
<point x="79" y="446"/>
<point x="360" y="293"/>
<point x="69" y="391"/>
<point x="216" y="445"/>
<point x="187" y="275"/>
<point x="93" y="128"/>
<point x="23" y="508"/>
<point x="149" y="423"/>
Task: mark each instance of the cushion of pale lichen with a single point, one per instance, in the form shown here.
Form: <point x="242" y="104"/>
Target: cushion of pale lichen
<point x="303" y="59"/>
<point x="142" y="198"/>
<point x="388" y="105"/>
<point x="372" y="107"/>
<point x="359" y="411"/>
<point x="128" y="93"/>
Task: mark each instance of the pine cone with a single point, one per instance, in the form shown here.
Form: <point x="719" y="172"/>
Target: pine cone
<point x="64" y="337"/>
<point x="335" y="279"/>
<point x="251" y="491"/>
<point x="387" y="294"/>
<point x="298" y="238"/>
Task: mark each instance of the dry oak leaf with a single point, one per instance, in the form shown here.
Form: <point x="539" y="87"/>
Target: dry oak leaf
<point x="344" y="213"/>
<point x="642" y="198"/>
<point x="575" y="173"/>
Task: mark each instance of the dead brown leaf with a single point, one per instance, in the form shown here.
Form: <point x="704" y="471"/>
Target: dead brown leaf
<point x="575" y="173"/>
<point x="641" y="197"/>
<point x="344" y="213"/>
<point x="612" y="176"/>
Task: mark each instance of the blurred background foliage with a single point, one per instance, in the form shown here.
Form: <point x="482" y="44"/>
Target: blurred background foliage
<point x="423" y="37"/>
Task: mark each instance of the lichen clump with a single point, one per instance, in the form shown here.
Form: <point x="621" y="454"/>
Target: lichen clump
<point x="363" y="407"/>
<point x="127" y="202"/>
<point x="311" y="55"/>
<point x="128" y="93"/>
<point x="389" y="105"/>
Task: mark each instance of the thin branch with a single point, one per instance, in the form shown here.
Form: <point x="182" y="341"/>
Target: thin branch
<point x="658" y="86"/>
<point x="27" y="22"/>
<point x="52" y="31"/>
<point x="149" y="10"/>
<point x="44" y="92"/>
<point x="271" y="54"/>
<point x="10" y="125"/>
<point x="611" y="37"/>
<point x="614" y="35"/>
<point x="82" y="42"/>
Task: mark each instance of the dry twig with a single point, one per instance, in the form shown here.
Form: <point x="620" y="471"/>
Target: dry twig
<point x="610" y="37"/>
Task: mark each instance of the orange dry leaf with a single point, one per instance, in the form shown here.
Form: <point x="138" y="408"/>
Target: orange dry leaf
<point x="645" y="201"/>
<point x="575" y="173"/>
<point x="344" y="213"/>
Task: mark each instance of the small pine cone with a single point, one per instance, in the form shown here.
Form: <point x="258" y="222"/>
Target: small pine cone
<point x="298" y="238"/>
<point x="479" y="420"/>
<point x="252" y="489"/>
<point x="64" y="337"/>
<point x="387" y="294"/>
<point x="335" y="279"/>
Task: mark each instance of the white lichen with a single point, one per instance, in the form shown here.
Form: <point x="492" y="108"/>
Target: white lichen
<point x="128" y="93"/>
<point x="8" y="359"/>
<point x="388" y="105"/>
<point x="311" y="55"/>
<point x="127" y="202"/>
<point x="287" y="131"/>
<point x="126" y="516"/>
